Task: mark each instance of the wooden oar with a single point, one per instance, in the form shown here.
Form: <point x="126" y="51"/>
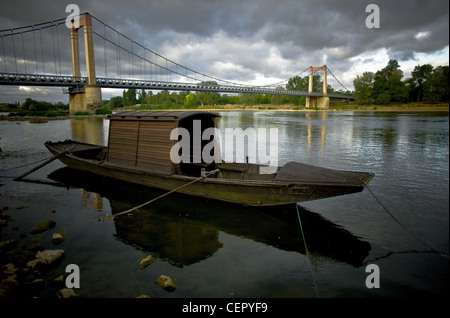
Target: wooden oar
<point x="44" y="163"/>
<point x="207" y="174"/>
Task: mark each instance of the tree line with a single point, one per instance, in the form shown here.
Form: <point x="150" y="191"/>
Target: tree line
<point x="426" y="84"/>
<point x="186" y="99"/>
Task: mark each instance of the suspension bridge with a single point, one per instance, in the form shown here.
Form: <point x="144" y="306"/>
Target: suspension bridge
<point x="39" y="55"/>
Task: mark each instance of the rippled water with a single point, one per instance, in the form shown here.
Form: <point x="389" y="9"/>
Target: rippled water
<point x="218" y="250"/>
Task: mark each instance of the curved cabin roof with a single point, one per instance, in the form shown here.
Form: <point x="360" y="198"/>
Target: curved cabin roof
<point x="158" y="115"/>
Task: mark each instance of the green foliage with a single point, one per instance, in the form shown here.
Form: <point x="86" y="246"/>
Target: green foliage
<point x="436" y="85"/>
<point x="129" y="97"/>
<point x="364" y="87"/>
<point x="419" y="76"/>
<point x="33" y="105"/>
<point x="191" y="101"/>
<point x="115" y="102"/>
<point x="386" y="86"/>
<point x="103" y="111"/>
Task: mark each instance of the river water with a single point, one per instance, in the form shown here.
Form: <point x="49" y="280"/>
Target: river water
<point x="218" y="250"/>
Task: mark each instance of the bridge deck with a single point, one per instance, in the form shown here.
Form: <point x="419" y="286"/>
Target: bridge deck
<point x="79" y="82"/>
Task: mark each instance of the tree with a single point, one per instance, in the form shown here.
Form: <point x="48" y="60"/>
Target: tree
<point x="364" y="87"/>
<point x="191" y="101"/>
<point x="297" y="83"/>
<point x="208" y="98"/>
<point x="129" y="97"/>
<point x="436" y="85"/>
<point x="277" y="99"/>
<point x="142" y="97"/>
<point x="388" y="86"/>
<point x="115" y="102"/>
<point x="420" y="74"/>
<point x="248" y="99"/>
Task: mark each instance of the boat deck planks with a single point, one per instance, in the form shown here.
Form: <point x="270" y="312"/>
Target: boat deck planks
<point x="302" y="172"/>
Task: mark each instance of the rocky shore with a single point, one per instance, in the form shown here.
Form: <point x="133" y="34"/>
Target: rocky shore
<point x="22" y="270"/>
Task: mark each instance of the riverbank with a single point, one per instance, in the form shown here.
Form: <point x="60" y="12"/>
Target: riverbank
<point x="45" y="118"/>
<point x="409" y="107"/>
<point x="348" y="106"/>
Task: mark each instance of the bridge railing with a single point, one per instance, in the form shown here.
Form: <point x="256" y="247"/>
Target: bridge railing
<point x="76" y="84"/>
<point x="41" y="80"/>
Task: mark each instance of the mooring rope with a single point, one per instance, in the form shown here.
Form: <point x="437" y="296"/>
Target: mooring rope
<point x="307" y="252"/>
<point x="399" y="223"/>
<point x="25" y="165"/>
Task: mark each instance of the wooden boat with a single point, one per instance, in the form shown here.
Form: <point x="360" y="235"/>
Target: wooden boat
<point x="139" y="148"/>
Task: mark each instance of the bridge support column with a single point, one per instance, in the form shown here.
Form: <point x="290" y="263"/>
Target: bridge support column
<point x="89" y="98"/>
<point x="319" y="102"/>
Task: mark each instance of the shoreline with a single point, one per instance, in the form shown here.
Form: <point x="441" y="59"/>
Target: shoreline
<point x="405" y="108"/>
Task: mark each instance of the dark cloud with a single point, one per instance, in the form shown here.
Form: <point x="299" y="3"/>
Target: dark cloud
<point x="245" y="40"/>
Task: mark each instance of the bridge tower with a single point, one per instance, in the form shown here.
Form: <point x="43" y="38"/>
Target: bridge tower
<point x="88" y="98"/>
<point x="319" y="101"/>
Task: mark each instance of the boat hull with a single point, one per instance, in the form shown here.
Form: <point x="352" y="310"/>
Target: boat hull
<point x="243" y="192"/>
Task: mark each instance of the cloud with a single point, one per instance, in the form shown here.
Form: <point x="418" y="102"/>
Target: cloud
<point x="254" y="40"/>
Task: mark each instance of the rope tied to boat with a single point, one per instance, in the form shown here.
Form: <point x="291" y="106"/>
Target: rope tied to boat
<point x="203" y="176"/>
<point x="307" y="252"/>
<point x="399" y="223"/>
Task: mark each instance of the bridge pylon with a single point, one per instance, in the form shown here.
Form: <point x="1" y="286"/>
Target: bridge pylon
<point x="89" y="97"/>
<point x="319" y="101"/>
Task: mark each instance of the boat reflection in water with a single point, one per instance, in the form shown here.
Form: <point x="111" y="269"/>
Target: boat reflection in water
<point x="184" y="230"/>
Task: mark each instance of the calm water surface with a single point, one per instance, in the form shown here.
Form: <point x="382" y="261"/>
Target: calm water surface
<point x="218" y="250"/>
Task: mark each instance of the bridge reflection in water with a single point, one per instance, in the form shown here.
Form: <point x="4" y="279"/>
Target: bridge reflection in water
<point x="184" y="230"/>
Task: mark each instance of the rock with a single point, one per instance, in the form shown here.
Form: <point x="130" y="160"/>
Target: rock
<point x="10" y="269"/>
<point x="66" y="293"/>
<point x="46" y="259"/>
<point x="43" y="226"/>
<point x="145" y="261"/>
<point x="8" y="286"/>
<point x="35" y="285"/>
<point x="166" y="282"/>
<point x="57" y="238"/>
<point x="59" y="281"/>
<point x="7" y="245"/>
<point x="36" y="247"/>
<point x="50" y="256"/>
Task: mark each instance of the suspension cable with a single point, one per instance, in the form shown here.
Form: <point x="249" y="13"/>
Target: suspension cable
<point x="14" y="48"/>
<point x="24" y="58"/>
<point x="42" y="52"/>
<point x="337" y="79"/>
<point x="4" y="55"/>
<point x="170" y="68"/>
<point x="59" y="52"/>
<point x="35" y="52"/>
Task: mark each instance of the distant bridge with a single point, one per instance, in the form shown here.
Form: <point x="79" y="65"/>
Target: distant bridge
<point x="128" y="64"/>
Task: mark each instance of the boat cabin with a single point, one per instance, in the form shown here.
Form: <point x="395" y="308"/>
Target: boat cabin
<point x="142" y="139"/>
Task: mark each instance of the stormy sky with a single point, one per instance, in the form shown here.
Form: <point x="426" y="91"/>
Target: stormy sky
<point x="257" y="41"/>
